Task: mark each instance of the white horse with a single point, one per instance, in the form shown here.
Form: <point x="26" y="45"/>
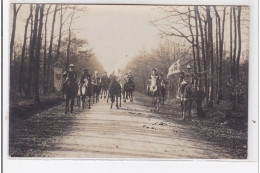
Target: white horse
<point x="82" y="93"/>
<point x="155" y="92"/>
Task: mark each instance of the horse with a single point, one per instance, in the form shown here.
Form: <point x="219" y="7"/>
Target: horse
<point x="163" y="90"/>
<point x="129" y="88"/>
<point x="96" y="90"/>
<point x="104" y="86"/>
<point x="186" y="96"/>
<point x="70" y="89"/>
<point x="155" y="92"/>
<point x="84" y="91"/>
<point x="114" y="92"/>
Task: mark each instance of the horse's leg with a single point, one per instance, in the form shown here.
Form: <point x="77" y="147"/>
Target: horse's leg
<point x="67" y="105"/>
<point x="89" y="101"/>
<point x="78" y="99"/>
<point x="189" y="108"/>
<point x="83" y="102"/>
<point x="182" y="109"/>
<point x="71" y="104"/>
<point x="112" y="101"/>
<point x="120" y="99"/>
<point x="185" y="108"/>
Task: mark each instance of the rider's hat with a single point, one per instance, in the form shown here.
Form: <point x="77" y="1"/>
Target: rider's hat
<point x="85" y="70"/>
<point x="72" y="65"/>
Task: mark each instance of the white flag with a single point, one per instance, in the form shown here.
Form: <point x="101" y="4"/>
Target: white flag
<point x="174" y="68"/>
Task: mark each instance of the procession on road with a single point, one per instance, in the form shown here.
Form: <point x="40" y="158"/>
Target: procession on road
<point x="128" y="81"/>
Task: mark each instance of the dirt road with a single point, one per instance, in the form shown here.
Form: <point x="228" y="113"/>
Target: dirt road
<point x="129" y="132"/>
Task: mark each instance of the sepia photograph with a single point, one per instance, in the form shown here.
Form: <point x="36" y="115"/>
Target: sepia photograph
<point x="128" y="81"/>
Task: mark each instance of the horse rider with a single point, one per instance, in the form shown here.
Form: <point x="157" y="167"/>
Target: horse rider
<point x="129" y="75"/>
<point x="155" y="75"/>
<point x="104" y="78"/>
<point x="69" y="76"/>
<point x="96" y="78"/>
<point x="83" y="76"/>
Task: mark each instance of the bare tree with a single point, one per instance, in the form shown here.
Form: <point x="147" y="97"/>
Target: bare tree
<point x="23" y="51"/>
<point x="50" y="49"/>
<point x="32" y="53"/>
<point x="37" y="55"/>
<point x="45" y="52"/>
<point x="210" y="41"/>
<point x="235" y="43"/>
<point x="15" y="12"/>
<point x="239" y="41"/>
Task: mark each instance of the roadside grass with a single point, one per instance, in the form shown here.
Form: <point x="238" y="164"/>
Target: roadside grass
<point x="221" y="126"/>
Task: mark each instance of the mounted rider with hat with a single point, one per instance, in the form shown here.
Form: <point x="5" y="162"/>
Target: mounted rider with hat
<point x="70" y="77"/>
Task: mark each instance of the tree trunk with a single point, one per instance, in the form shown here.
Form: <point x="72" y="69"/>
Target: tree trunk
<point x="59" y="39"/>
<point x="197" y="42"/>
<point x="210" y="40"/>
<point x="207" y="59"/>
<point x="15" y="12"/>
<point x="32" y="54"/>
<point x="45" y="53"/>
<point x="68" y="48"/>
<point x="193" y="43"/>
<point x="221" y="38"/>
<point x="239" y="41"/>
<point x="37" y="55"/>
<point x="50" y="49"/>
<point x="203" y="52"/>
<point x="217" y="50"/>
<point x="235" y="43"/>
<point x="231" y="44"/>
<point x="23" y="52"/>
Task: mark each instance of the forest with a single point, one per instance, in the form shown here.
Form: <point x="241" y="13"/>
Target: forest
<point x="49" y="38"/>
<point x="213" y="40"/>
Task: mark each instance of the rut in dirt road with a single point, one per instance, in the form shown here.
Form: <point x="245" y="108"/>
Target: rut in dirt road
<point x="129" y="132"/>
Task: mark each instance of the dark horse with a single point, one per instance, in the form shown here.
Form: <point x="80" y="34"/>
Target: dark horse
<point x="114" y="92"/>
<point x="85" y="91"/>
<point x="104" y="86"/>
<point x="70" y="89"/>
<point x="186" y="96"/>
<point x="129" y="87"/>
<point x="96" y="89"/>
<point x="163" y="90"/>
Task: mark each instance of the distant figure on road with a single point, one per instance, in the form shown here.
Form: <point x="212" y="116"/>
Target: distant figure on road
<point x="104" y="85"/>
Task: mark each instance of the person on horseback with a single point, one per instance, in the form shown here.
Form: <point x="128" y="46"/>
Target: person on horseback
<point x="83" y="76"/>
<point x="69" y="76"/>
<point x="104" y="78"/>
<point x="130" y="76"/>
<point x="96" y="78"/>
<point x="154" y="75"/>
<point x="70" y="87"/>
